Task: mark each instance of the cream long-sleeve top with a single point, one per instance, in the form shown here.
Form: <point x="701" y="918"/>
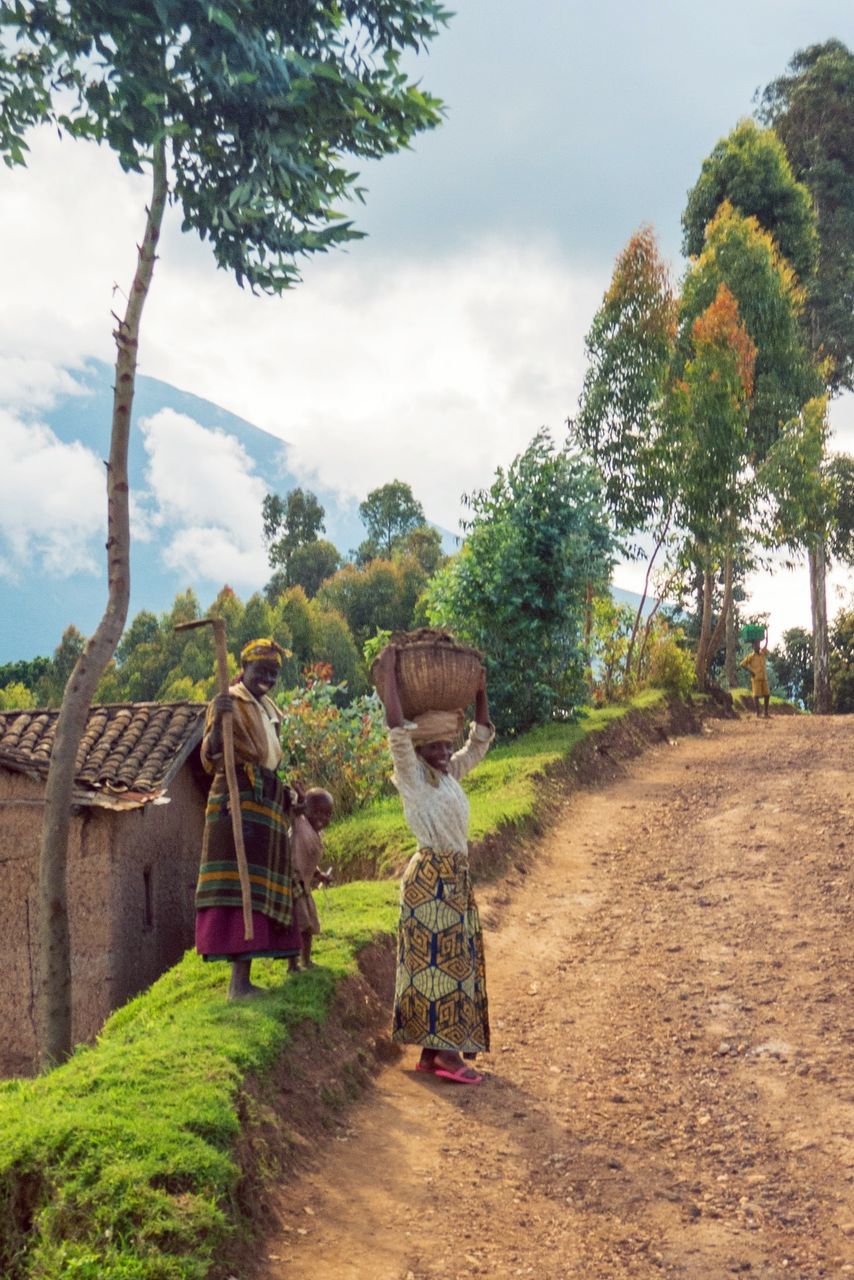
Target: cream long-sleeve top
<point x="434" y="804"/>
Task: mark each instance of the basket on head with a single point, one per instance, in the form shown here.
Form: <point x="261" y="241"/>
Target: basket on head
<point x="434" y="672"/>
<point x="752" y="631"/>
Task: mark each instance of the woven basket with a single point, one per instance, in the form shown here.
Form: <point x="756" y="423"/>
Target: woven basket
<point x="434" y="676"/>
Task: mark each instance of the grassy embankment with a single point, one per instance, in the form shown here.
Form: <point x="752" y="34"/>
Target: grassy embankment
<point x="503" y="793"/>
<point x="119" y="1165"/>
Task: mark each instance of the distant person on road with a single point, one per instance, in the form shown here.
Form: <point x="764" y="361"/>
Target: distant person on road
<point x="440" y="990"/>
<point x="755" y="664"/>
<point x="265" y="803"/>
<point x="307" y="845"/>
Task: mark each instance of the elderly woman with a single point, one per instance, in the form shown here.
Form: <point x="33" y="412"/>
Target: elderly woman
<point x="440" y="989"/>
<point x="264" y="803"/>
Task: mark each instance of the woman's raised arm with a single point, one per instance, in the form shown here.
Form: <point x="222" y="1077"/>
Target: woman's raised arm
<point x="387" y="665"/>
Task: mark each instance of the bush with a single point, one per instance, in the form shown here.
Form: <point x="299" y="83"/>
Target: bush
<point x="667" y="665"/>
<point x="611" y="630"/>
<point x="16" y="697"/>
<point x="340" y="748"/>
<point x="536" y="542"/>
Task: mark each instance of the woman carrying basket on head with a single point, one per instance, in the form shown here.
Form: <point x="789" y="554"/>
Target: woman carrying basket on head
<point x="440" y="990"/>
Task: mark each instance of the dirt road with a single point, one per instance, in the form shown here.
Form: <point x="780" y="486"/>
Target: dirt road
<point x="671" y="1087"/>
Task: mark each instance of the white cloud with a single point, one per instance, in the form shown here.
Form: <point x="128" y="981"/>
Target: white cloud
<point x="434" y="371"/>
<point x="34" y="384"/>
<point x="52" y="502"/>
<point x="204" y="490"/>
<point x="782" y="593"/>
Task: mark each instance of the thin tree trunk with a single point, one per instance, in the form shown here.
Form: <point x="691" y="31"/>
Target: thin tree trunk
<point x="647" y="627"/>
<point x="54" y="938"/>
<point x="731" y="664"/>
<point x="639" y="614"/>
<point x="702" y="662"/>
<point x="718" y="632"/>
<point x="588" y="617"/>
<point x="817" y="555"/>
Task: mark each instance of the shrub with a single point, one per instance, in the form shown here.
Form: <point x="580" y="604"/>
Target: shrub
<point x="16" y="697"/>
<point x="341" y="748"/>
<point x="667" y="664"/>
<point x="536" y="542"/>
<point x="610" y="632"/>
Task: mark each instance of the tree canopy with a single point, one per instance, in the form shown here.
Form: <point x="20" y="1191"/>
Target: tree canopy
<point x="290" y="524"/>
<point x="620" y="417"/>
<point x="388" y="513"/>
<point x="741" y="254"/>
<point x="518" y="588"/>
<point x="261" y="104"/>
<point x="811" y="108"/>
<point x="751" y="170"/>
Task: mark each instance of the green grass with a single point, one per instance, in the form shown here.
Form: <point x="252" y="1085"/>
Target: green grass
<point x="123" y="1157"/>
<point x="503" y="791"/>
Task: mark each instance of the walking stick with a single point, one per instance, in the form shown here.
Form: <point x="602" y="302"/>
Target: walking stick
<point x="218" y="625"/>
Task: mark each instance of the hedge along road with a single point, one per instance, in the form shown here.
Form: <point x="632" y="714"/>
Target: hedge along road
<point x="672" y="1090"/>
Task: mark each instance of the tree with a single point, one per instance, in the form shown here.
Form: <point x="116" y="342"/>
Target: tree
<point x="811" y="108"/>
<point x="424" y="544"/>
<point x="621" y="418"/>
<point x="244" y="115"/>
<point x="389" y="514"/>
<point x="812" y="497"/>
<point x="382" y="595"/>
<point x="26" y="672"/>
<point x="741" y="254"/>
<point x="309" y="567"/>
<point x="793" y="663"/>
<point x="840" y="474"/>
<point x="751" y="170"/>
<point x="290" y="523"/>
<point x="67" y="653"/>
<point x="713" y="401"/>
<point x="518" y="587"/>
<point x="842" y="661"/>
<point x="319" y="634"/>
<point x="16" y="696"/>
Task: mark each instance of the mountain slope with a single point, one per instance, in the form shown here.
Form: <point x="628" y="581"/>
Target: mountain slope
<point x="198" y="475"/>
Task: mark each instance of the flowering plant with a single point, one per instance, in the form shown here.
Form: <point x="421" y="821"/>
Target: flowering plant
<point x="340" y="748"/>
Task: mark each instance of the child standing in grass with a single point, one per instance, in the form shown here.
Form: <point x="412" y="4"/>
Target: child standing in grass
<point x="307" y="850"/>
<point x="755" y="664"/>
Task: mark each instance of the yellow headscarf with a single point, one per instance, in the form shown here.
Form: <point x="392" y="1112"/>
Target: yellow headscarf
<point x="265" y="649"/>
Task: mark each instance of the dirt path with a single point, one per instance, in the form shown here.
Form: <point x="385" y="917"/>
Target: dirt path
<point x="672" y="1082"/>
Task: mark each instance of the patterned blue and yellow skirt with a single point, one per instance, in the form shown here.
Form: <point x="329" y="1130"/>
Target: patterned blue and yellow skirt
<point x="440" y="989"/>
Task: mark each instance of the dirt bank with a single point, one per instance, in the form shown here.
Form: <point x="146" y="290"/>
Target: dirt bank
<point x="671" y="1088"/>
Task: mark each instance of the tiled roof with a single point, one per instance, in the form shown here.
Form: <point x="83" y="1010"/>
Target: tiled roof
<point x="129" y="753"/>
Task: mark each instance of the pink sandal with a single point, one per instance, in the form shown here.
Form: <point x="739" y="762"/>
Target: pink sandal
<point x="459" y="1076"/>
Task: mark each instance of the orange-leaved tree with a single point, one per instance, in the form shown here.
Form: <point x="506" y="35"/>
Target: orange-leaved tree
<point x="711" y="402"/>
<point x="621" y="418"/>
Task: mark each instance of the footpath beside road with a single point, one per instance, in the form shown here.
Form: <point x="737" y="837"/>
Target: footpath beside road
<point x="671" y="1088"/>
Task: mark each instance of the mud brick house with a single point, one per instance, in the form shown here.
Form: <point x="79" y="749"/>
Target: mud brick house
<point x="133" y="855"/>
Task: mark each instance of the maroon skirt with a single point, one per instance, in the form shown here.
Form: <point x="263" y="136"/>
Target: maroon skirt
<point x="219" y="935"/>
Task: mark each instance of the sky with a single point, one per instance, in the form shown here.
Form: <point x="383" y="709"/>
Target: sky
<point x="433" y="350"/>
